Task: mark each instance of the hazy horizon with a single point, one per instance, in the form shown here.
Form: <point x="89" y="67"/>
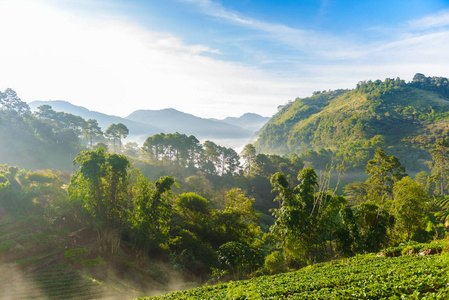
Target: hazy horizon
<point x="166" y="108"/>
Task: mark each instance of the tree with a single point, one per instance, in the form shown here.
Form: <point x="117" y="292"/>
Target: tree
<point x="200" y="184"/>
<point x="194" y="209"/>
<point x="238" y="221"/>
<point x="154" y="146"/>
<point x="116" y="132"/>
<point x="263" y="165"/>
<point x="46" y="112"/>
<point x="100" y="185"/>
<point x="112" y="134"/>
<point x="91" y="130"/>
<point x="132" y="149"/>
<point x="239" y="258"/>
<point x="302" y="220"/>
<point x="195" y="151"/>
<point x="211" y="156"/>
<point x="385" y="171"/>
<point x="356" y="192"/>
<point x="152" y="212"/>
<point x="409" y="205"/>
<point x="373" y="223"/>
<point x="440" y="165"/>
<point x="122" y="133"/>
<point x="249" y="154"/>
<point x="231" y="161"/>
<point x="10" y="102"/>
<point x="275" y="263"/>
<point x="347" y="234"/>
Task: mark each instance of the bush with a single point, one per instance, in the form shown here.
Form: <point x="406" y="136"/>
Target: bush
<point x="76" y="255"/>
<point x="275" y="263"/>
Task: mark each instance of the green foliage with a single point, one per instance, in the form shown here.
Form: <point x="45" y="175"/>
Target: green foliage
<point x="409" y="206"/>
<point x="152" y="212"/>
<point x="239" y="258"/>
<point x="238" y="221"/>
<point x="92" y="130"/>
<point x="248" y="154"/>
<point x="373" y="223"/>
<point x="76" y="255"/>
<point x="100" y="185"/>
<point x="46" y="139"/>
<point x="363" y="231"/>
<point x="439" y="85"/>
<point x="266" y="165"/>
<point x="347" y="235"/>
<point x="406" y="117"/>
<point x="385" y="171"/>
<point x="440" y="164"/>
<point x="116" y="132"/>
<point x="368" y="277"/>
<point x="356" y="192"/>
<point x="185" y="151"/>
<point x="412" y="247"/>
<point x="302" y="221"/>
<point x="274" y="263"/>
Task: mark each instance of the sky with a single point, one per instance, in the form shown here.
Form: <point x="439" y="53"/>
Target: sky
<point x="213" y="58"/>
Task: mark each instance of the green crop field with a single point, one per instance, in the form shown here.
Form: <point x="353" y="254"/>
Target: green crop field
<point x="366" y="277"/>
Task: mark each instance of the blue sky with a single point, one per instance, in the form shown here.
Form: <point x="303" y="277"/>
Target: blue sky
<point x="213" y="58"/>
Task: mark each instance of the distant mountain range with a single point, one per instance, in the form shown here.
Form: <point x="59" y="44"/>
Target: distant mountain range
<point x="249" y="121"/>
<point x="145" y="123"/>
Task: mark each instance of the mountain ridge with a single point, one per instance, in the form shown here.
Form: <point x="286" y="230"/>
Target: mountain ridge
<point x="104" y="120"/>
<point x="189" y="124"/>
<point x="406" y="118"/>
<point x="145" y="123"/>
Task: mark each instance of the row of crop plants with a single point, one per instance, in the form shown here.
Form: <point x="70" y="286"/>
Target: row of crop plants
<point x="32" y="268"/>
<point x="409" y="275"/>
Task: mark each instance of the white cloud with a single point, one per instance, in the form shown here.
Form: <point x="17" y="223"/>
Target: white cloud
<point x="116" y="67"/>
<point x="319" y="46"/>
<point x="309" y="40"/>
<point x="107" y="63"/>
<point x="440" y="19"/>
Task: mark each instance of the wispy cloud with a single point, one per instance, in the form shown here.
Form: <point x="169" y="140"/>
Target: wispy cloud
<point x="321" y="45"/>
<point x="300" y="39"/>
<point x="107" y="62"/>
<point x="438" y="20"/>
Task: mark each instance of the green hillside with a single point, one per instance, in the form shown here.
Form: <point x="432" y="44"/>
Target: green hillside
<point x="410" y="276"/>
<point x="404" y="117"/>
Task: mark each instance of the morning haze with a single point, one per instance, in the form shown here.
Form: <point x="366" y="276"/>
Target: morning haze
<point x="207" y="149"/>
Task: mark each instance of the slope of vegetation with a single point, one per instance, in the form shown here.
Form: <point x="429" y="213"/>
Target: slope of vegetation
<point x="405" y="117"/>
<point x="411" y="276"/>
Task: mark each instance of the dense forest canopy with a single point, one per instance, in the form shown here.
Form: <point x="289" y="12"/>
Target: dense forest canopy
<point x="404" y="117"/>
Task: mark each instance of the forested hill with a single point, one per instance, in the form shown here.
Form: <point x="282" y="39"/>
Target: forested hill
<point x="404" y="117"/>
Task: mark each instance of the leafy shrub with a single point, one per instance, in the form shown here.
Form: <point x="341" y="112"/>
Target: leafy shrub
<point x="275" y="263"/>
<point x="93" y="262"/>
<point x="219" y="275"/>
<point x="76" y="255"/>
